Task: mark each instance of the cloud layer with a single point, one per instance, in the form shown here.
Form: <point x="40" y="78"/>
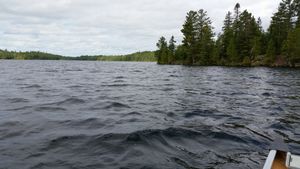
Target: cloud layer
<point x="81" y="27"/>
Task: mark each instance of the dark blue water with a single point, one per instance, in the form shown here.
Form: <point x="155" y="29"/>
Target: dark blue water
<point x="77" y="115"/>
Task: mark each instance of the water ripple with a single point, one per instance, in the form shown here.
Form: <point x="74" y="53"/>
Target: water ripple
<point x="60" y="114"/>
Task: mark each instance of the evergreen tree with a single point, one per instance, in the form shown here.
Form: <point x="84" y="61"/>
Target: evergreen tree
<point x="256" y="48"/>
<point x="296" y="12"/>
<point x="259" y="24"/>
<point x="227" y="35"/>
<point x="180" y="54"/>
<point x="243" y="38"/>
<point x="293" y="47"/>
<point x="162" y="53"/>
<point x="237" y="11"/>
<point x="171" y="47"/>
<point x="232" y="52"/>
<point x="204" y="38"/>
<point x="189" y="36"/>
<point x="281" y="24"/>
<point x="271" y="53"/>
<point x="246" y="32"/>
<point x="284" y="49"/>
<point x="216" y="54"/>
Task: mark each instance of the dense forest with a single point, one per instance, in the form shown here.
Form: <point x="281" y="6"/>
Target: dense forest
<point x="146" y="56"/>
<point x="5" y="54"/>
<point x="242" y="42"/>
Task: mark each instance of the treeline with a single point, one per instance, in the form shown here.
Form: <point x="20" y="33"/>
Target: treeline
<point x="242" y="42"/>
<point x="4" y="54"/>
<point x="146" y="56"/>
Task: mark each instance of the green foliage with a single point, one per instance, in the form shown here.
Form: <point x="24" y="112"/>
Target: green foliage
<point x="171" y="48"/>
<point x="242" y="42"/>
<point x="271" y="53"/>
<point x="205" y="42"/>
<point x="246" y="31"/>
<point x="232" y="52"/>
<point x="146" y="56"/>
<point x="162" y="53"/>
<point x="281" y="24"/>
<point x="217" y="59"/>
<point x="4" y="54"/>
<point x="237" y="11"/>
<point x="256" y="48"/>
<point x="180" y="54"/>
<point x="264" y="40"/>
<point x="189" y="37"/>
<point x="166" y="54"/>
<point x="284" y="48"/>
<point x="227" y="36"/>
<point x="83" y="58"/>
<point x="293" y="47"/>
<point x="198" y="44"/>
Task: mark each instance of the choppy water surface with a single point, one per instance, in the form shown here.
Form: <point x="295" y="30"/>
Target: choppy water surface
<point x="60" y="114"/>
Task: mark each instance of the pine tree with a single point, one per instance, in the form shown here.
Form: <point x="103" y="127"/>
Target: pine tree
<point x="162" y="53"/>
<point x="232" y="52"/>
<point x="271" y="53"/>
<point x="259" y="24"/>
<point x="263" y="38"/>
<point x="246" y="32"/>
<point x="243" y="39"/>
<point x="189" y="37"/>
<point x="281" y="24"/>
<point x="237" y="11"/>
<point x="256" y="48"/>
<point x="296" y="13"/>
<point x="284" y="48"/>
<point x="226" y="36"/>
<point x="180" y="54"/>
<point x="171" y="47"/>
<point x="204" y="38"/>
<point x="293" y="47"/>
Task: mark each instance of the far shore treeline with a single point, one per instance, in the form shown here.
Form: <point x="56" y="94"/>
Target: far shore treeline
<point x="146" y="56"/>
<point x="242" y="42"/>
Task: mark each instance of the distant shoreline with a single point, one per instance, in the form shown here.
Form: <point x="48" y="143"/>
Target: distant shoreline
<point x="178" y="64"/>
<point x="73" y="60"/>
<point x="145" y="56"/>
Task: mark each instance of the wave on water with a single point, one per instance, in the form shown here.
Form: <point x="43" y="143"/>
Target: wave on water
<point x="18" y="100"/>
<point x="116" y="105"/>
<point x="32" y="86"/>
<point x="112" y="115"/>
<point x="158" y="146"/>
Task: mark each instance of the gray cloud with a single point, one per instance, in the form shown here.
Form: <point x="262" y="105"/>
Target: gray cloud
<point x="79" y="27"/>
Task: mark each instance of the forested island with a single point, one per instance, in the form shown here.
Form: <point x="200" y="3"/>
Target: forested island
<point x="242" y="42"/>
<point x="146" y="56"/>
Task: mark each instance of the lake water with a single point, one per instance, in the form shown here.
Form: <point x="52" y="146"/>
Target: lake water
<point x="77" y="115"/>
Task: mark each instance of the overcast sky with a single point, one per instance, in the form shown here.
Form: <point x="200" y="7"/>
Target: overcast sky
<point x="89" y="27"/>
